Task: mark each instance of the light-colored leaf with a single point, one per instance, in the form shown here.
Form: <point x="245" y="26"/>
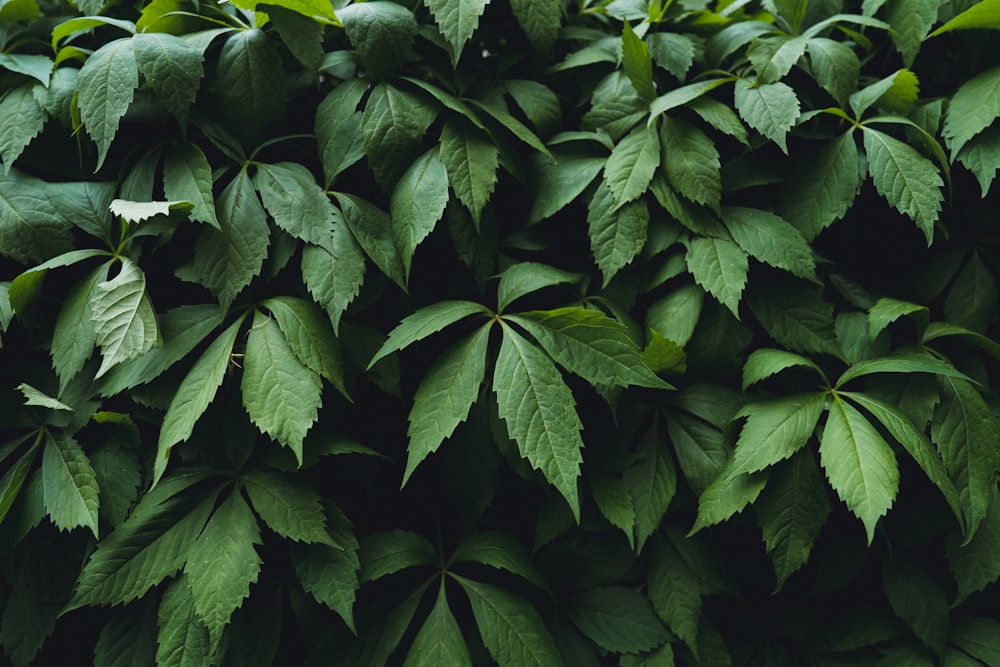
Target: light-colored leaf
<point x="769" y="108"/>
<point x="774" y="57"/>
<point x="720" y="267"/>
<point x="775" y="430"/>
<point x="457" y="20"/>
<point x="691" y="162"/>
<point x="124" y="320"/>
<point x="21" y="120"/>
<point x="138" y="211"/>
<point x="33" y="396"/>
<point x="106" y="85"/>
<point x="424" y="322"/>
<point x="69" y="485"/>
<point x="770" y="239"/>
<point x="471" y="160"/>
<point x="985" y="14"/>
<point x="417" y="203"/>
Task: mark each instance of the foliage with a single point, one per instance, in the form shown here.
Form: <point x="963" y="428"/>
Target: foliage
<point x="527" y="332"/>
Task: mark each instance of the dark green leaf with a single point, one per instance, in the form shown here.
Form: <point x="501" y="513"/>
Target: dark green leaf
<point x="440" y="640"/>
<point x="769" y="108"/>
<point x="617" y="232"/>
<point x="424" y="322"/>
<point x="173" y="67"/>
<point x="770" y="239"/>
<point x="675" y="592"/>
<point x="389" y="552"/>
<point x="297" y="204"/>
<point x="107" y="83"/>
<point x="334" y="274"/>
<point x="500" y="550"/>
<point x="372" y="228"/>
<point x="524" y="278"/>
<point x="540" y="20"/>
<point x="775" y="430"/>
<point x="612" y="498"/>
<point x="918" y="601"/>
<point x="719" y="266"/>
<point x="471" y="160"/>
<point x="291" y="509"/>
<point x="457" y="21"/>
<point x="976" y="565"/>
<point x="617" y="619"/>
<point x="637" y="63"/>
<point x="973" y="108"/>
<point x="183" y="637"/>
<point x="691" y="162"/>
<point x="338" y="128"/>
<point x="21" y="120"/>
<point x="382" y="33"/>
<point x="418" y="202"/>
<point x="331" y="575"/>
<point x="187" y="176"/>
<point x="251" y="84"/>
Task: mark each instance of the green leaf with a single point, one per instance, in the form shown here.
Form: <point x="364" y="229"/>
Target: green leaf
<point x="117" y="470"/>
<point x="907" y="179"/>
<point x="558" y="182"/>
<point x="675" y="591"/>
<point x="973" y="297"/>
<point x="683" y="95"/>
<point x="910" y="21"/>
<point x="314" y="9"/>
<point x="297" y="204"/>
<point x="187" y="176"/>
<point x="30" y="226"/>
<point x="74" y="334"/>
<point x="671" y="51"/>
<point x="637" y="63"/>
<point x="886" y="310"/>
<point x="281" y="395"/>
<point x="791" y="511"/>
<point x="617" y="232"/>
<point x="70" y="487"/>
<point x="727" y="496"/>
<point x="445" y="396"/>
<point x="152" y="544"/>
<point x="676" y="315"/>
<point x="630" y="167"/>
<point x="985" y="14"/>
<point x="499" y="550"/>
<point x="223" y="563"/>
<point x="836" y="67"/>
<point x="652" y="483"/>
<point x="540" y="20"/>
<point x="227" y="259"/>
<point x="173" y="67"/>
<point x="901" y="362"/>
<point x="129" y="638"/>
<point x="183" y="638"/>
<point x="720" y="267"/>
<point x="106" y="85"/>
<point x="769" y="108"/>
<point x="918" y="601"/>
<point x="691" y="162"/>
<point x="524" y="278"/>
<point x="775" y="430"/>
<point x="774" y="57"/>
<point x="614" y="502"/>
<point x="21" y="120"/>
<point x="418" y="202"/>
<point x="394" y="124"/>
<point x="976" y="565"/>
<point x="700" y="449"/>
<point x="511" y="628"/>
<point x="389" y="552"/>
<point x="516" y="127"/>
<point x="291" y="509"/>
<point x="470" y="159"/>
<point x="124" y="320"/>
<point x="13" y="480"/>
<point x="334" y="274"/>
<point x="973" y="108"/>
<point x="796" y="317"/>
<point x="382" y="32"/>
<point x="617" y="619"/>
<point x="440" y="640"/>
<point x="540" y="413"/>
<point x="661" y="657"/>
<point x="424" y="322"/>
<point x="250" y="84"/>
<point x="302" y="35"/>
<point x="981" y="156"/>
<point x="33" y="396"/>
<point x="965" y="433"/>
<point x="770" y="239"/>
<point x="331" y="575"/>
<point x="372" y="228"/>
<point x="457" y="21"/>
<point x="194" y="394"/>
<point x="538" y="102"/>
<point x="764" y="363"/>
<point x="978" y="637"/>
<point x="37" y="67"/>
<point x="859" y="463"/>
<point x="339" y="137"/>
<point x="309" y="336"/>
<point x="590" y="344"/>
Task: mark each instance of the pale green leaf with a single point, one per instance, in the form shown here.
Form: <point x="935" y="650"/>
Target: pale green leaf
<point x="676" y="315"/>
<point x="297" y="204"/>
<point x="540" y="413"/>
<point x="227" y="259"/>
<point x="764" y="363"/>
<point x="187" y="176"/>
<point x="424" y="322"/>
<point x="637" y="62"/>
<point x="675" y="591"/>
<point x="727" y="496"/>
<point x="590" y="344"/>
<point x="309" y="336"/>
<point x="194" y="394"/>
<point x="471" y="160"/>
<point x="836" y="67"/>
<point x="382" y="33"/>
<point x="334" y="274"/>
<point x="124" y="321"/>
<point x="106" y="85"/>
<point x="911" y="21"/>
<point x="614" y="502"/>
<point x="457" y="20"/>
<point x="985" y="14"/>
<point x="331" y="575"/>
<point x="976" y="565"/>
<point x="540" y="20"/>
<point x="445" y="396"/>
<point x="905" y="361"/>
<point x="372" y="228"/>
<point x="173" y="67"/>
<point x="981" y="156"/>
<point x="774" y="57"/>
<point x="74" y="334"/>
<point x="617" y="232"/>
<point x="630" y="167"/>
<point x="417" y="203"/>
<point x="499" y="550"/>
<point x="388" y="552"/>
<point x="859" y="463"/>
<point x="917" y="599"/>
<point x="617" y="619"/>
<point x="775" y="430"/>
<point x="770" y="239"/>
<point x="70" y="487"/>
<point x="223" y="563"/>
<point x="524" y="278"/>
<point x="973" y="108"/>
<point x="511" y="628"/>
<point x="310" y="8"/>
<point x="769" y="108"/>
<point x="140" y="211"/>
<point x="966" y="434"/>
<point x="21" y="119"/>
<point x="791" y="511"/>
<point x="291" y="509"/>
<point x="720" y="267"/>
<point x="183" y="638"/>
<point x="691" y="162"/>
<point x="281" y="395"/>
<point x="897" y="92"/>
<point x="339" y="138"/>
<point x="35" y="66"/>
<point x="147" y="548"/>
<point x="250" y="84"/>
<point x="34" y="396"/>
<point x="672" y="51"/>
<point x="440" y="640"/>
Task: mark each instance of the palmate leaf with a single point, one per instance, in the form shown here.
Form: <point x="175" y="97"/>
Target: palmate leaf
<point x="183" y="638"/>
<point x="281" y="395"/>
<point x="124" y="321"/>
<point x="445" y="396"/>
<point x="540" y="413"/>
<point x="617" y="233"/>
<point x="70" y="487"/>
<point x="106" y="85"/>
<point x="691" y="162"/>
<point x="21" y="119"/>
<point x="187" y="176"/>
<point x="775" y="430"/>
<point x="769" y="108"/>
<point x="457" y="20"/>
<point x="424" y="322"/>
<point x="499" y="550"/>
<point x="223" y="563"/>
<point x="440" y="640"/>
<point x="859" y="463"/>
<point x="297" y="204"/>
<point x="590" y="344"/>
<point x="291" y="509"/>
<point x="173" y="67"/>
<point x="721" y="267"/>
<point x="985" y="14"/>
<point x="907" y="179"/>
<point x="471" y="160"/>
<point x="791" y="511"/>
<point x="511" y="628"/>
<point x="418" y="202"/>
<point x="617" y="619"/>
